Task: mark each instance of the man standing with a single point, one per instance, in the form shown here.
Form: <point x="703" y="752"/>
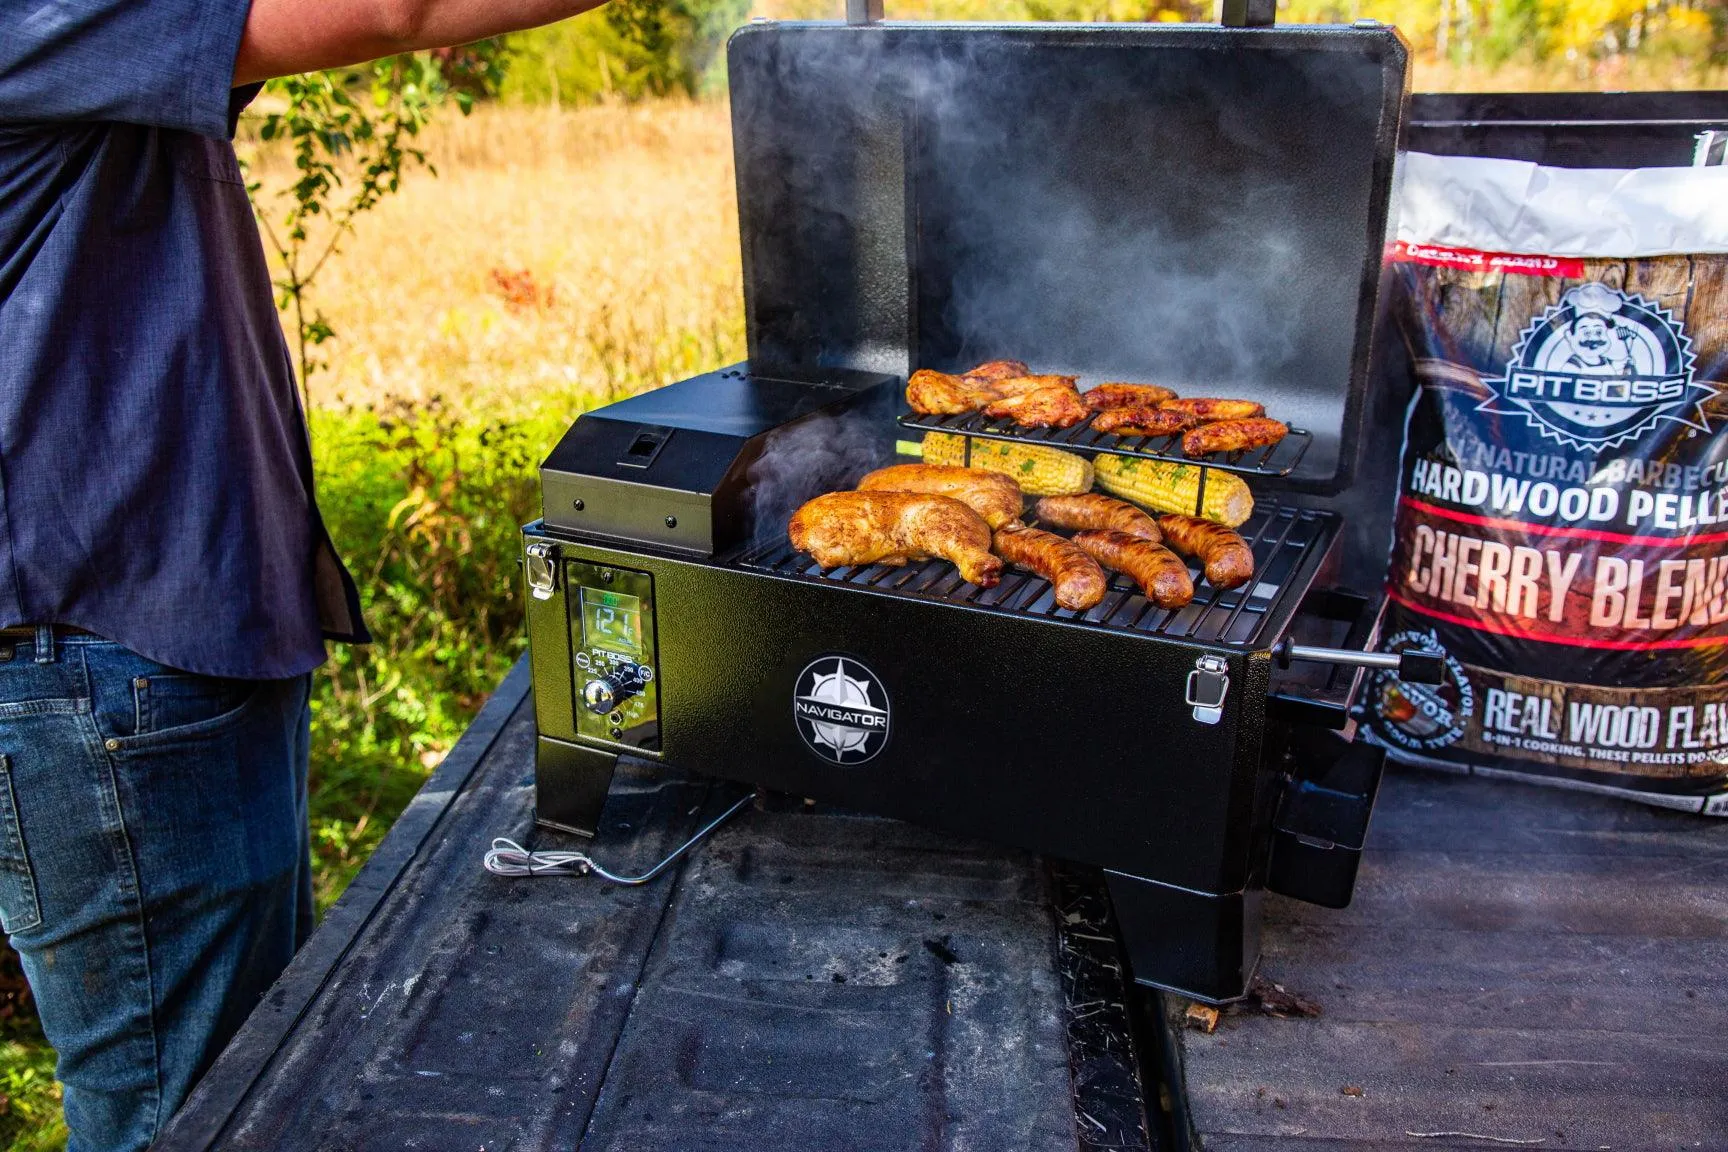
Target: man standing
<point x="166" y="583"/>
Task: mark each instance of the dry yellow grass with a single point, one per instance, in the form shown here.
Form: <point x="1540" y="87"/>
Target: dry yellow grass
<point x="557" y="257"/>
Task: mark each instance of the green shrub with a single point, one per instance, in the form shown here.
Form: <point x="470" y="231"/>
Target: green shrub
<point x="425" y="503"/>
<point x="630" y="49"/>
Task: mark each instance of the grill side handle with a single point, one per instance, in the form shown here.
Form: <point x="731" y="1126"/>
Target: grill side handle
<point x="1413" y="666"/>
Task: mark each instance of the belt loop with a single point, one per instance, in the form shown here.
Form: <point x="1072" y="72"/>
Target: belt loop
<point x="45" y="652"/>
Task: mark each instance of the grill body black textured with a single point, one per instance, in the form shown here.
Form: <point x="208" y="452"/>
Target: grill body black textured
<point x="1200" y="207"/>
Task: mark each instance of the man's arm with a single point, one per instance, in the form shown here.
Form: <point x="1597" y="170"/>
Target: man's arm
<point x="283" y="37"/>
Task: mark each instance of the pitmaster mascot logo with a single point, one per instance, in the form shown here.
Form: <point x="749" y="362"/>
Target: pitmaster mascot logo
<point x="1601" y="368"/>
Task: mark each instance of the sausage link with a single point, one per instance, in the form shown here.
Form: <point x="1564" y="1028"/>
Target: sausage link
<point x="1225" y="556"/>
<point x="1078" y="581"/>
<point x="1095" y="510"/>
<point x="1160" y="573"/>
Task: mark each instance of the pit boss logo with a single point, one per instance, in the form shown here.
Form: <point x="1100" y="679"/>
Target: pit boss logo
<point x="1601" y="368"/>
<point x="841" y="710"/>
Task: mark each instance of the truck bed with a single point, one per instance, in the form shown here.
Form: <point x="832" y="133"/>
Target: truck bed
<point x="801" y="980"/>
<point x="1518" y="965"/>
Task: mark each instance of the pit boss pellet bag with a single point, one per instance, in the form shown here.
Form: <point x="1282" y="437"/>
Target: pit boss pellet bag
<point x="1562" y="521"/>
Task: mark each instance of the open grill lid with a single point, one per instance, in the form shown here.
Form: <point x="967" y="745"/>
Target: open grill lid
<point x="1196" y="206"/>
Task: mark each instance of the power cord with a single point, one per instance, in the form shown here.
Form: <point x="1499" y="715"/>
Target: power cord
<point x="508" y="858"/>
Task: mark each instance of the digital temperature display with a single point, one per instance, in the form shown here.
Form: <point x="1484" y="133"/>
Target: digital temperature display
<point x="612" y="621"/>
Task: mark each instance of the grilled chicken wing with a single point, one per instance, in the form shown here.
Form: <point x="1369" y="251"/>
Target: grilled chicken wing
<point x="1052" y="406"/>
<point x="1020" y="385"/>
<point x="939" y="394"/>
<point x="1160" y="573"/>
<point x="894" y="528"/>
<point x="1210" y="409"/>
<point x="990" y="494"/>
<point x="1114" y="395"/>
<point x="1093" y="510"/>
<point x="999" y="370"/>
<point x="1233" y="436"/>
<point x="1226" y="557"/>
<point x="1143" y="421"/>
<point x="1076" y="578"/>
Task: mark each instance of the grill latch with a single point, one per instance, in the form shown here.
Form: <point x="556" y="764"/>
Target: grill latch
<point x="1208" y="684"/>
<point x="542" y="569"/>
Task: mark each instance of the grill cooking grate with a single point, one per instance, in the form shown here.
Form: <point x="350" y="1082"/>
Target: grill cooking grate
<point x="1281" y="538"/>
<point x="1278" y="459"/>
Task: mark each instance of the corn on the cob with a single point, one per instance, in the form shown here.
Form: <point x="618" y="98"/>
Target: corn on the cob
<point x="1172" y="487"/>
<point x="1038" y="470"/>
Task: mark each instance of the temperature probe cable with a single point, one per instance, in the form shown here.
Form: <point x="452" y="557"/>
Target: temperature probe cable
<point x="508" y="858"/>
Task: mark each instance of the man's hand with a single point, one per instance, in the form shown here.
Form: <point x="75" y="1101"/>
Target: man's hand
<point x="284" y="37"/>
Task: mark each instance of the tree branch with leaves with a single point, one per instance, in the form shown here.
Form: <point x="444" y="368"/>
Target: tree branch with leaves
<point x="353" y="134"/>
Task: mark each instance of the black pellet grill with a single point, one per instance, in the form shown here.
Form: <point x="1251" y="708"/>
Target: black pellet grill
<point x="1199" y="206"/>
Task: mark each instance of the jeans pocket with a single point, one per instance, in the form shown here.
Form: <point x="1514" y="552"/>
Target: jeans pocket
<point x="20" y="910"/>
<point x="176" y="706"/>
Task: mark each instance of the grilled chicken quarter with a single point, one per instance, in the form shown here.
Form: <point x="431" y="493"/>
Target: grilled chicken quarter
<point x="992" y="495"/>
<point x="1233" y="436"/>
<point x="845" y="528"/>
<point x="1093" y="510"/>
<point x="1161" y="574"/>
<point x="1078" y="581"/>
<point x="1225" y="556"/>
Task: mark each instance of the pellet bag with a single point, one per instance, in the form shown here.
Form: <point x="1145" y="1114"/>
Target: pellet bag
<point x="1562" y="523"/>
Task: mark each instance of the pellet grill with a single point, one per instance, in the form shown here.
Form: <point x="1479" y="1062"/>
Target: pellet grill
<point x="1198" y="206"/>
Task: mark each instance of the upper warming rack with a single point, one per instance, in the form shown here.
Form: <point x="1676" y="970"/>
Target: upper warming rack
<point x="1278" y="459"/>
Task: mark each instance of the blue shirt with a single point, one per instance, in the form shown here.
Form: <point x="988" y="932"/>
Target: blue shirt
<point x="155" y="475"/>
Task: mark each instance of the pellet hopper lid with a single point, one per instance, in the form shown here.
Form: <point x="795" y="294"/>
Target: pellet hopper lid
<point x="1199" y="206"/>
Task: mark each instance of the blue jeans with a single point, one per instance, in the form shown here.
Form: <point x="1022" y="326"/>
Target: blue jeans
<point x="154" y="872"/>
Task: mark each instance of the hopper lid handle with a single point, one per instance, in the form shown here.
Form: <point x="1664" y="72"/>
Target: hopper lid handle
<point x="862" y="12"/>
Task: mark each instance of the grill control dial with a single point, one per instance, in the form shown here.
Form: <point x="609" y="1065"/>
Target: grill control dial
<point x="605" y="693"/>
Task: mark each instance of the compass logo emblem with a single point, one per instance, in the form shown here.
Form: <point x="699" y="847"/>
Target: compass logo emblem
<point x="841" y="710"/>
<point x="1601" y="368"/>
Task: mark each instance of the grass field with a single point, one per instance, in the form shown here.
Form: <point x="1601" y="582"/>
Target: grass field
<point x="559" y="259"/>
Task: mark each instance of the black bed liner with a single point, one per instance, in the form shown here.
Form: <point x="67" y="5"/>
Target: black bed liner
<point x="802" y="981"/>
<point x="1518" y="963"/>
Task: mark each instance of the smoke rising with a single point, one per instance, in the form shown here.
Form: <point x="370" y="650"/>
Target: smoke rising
<point x="1190" y="206"/>
<point x="800" y="461"/>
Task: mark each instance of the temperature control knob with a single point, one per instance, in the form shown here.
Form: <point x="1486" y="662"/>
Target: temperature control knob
<point x="606" y="693"/>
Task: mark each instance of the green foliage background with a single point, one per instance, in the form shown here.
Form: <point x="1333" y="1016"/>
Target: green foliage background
<point x="630" y="49"/>
<point x="638" y="48"/>
<point x="425" y="501"/>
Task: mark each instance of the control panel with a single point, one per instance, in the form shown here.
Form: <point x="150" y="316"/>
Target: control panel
<point x="613" y="653"/>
